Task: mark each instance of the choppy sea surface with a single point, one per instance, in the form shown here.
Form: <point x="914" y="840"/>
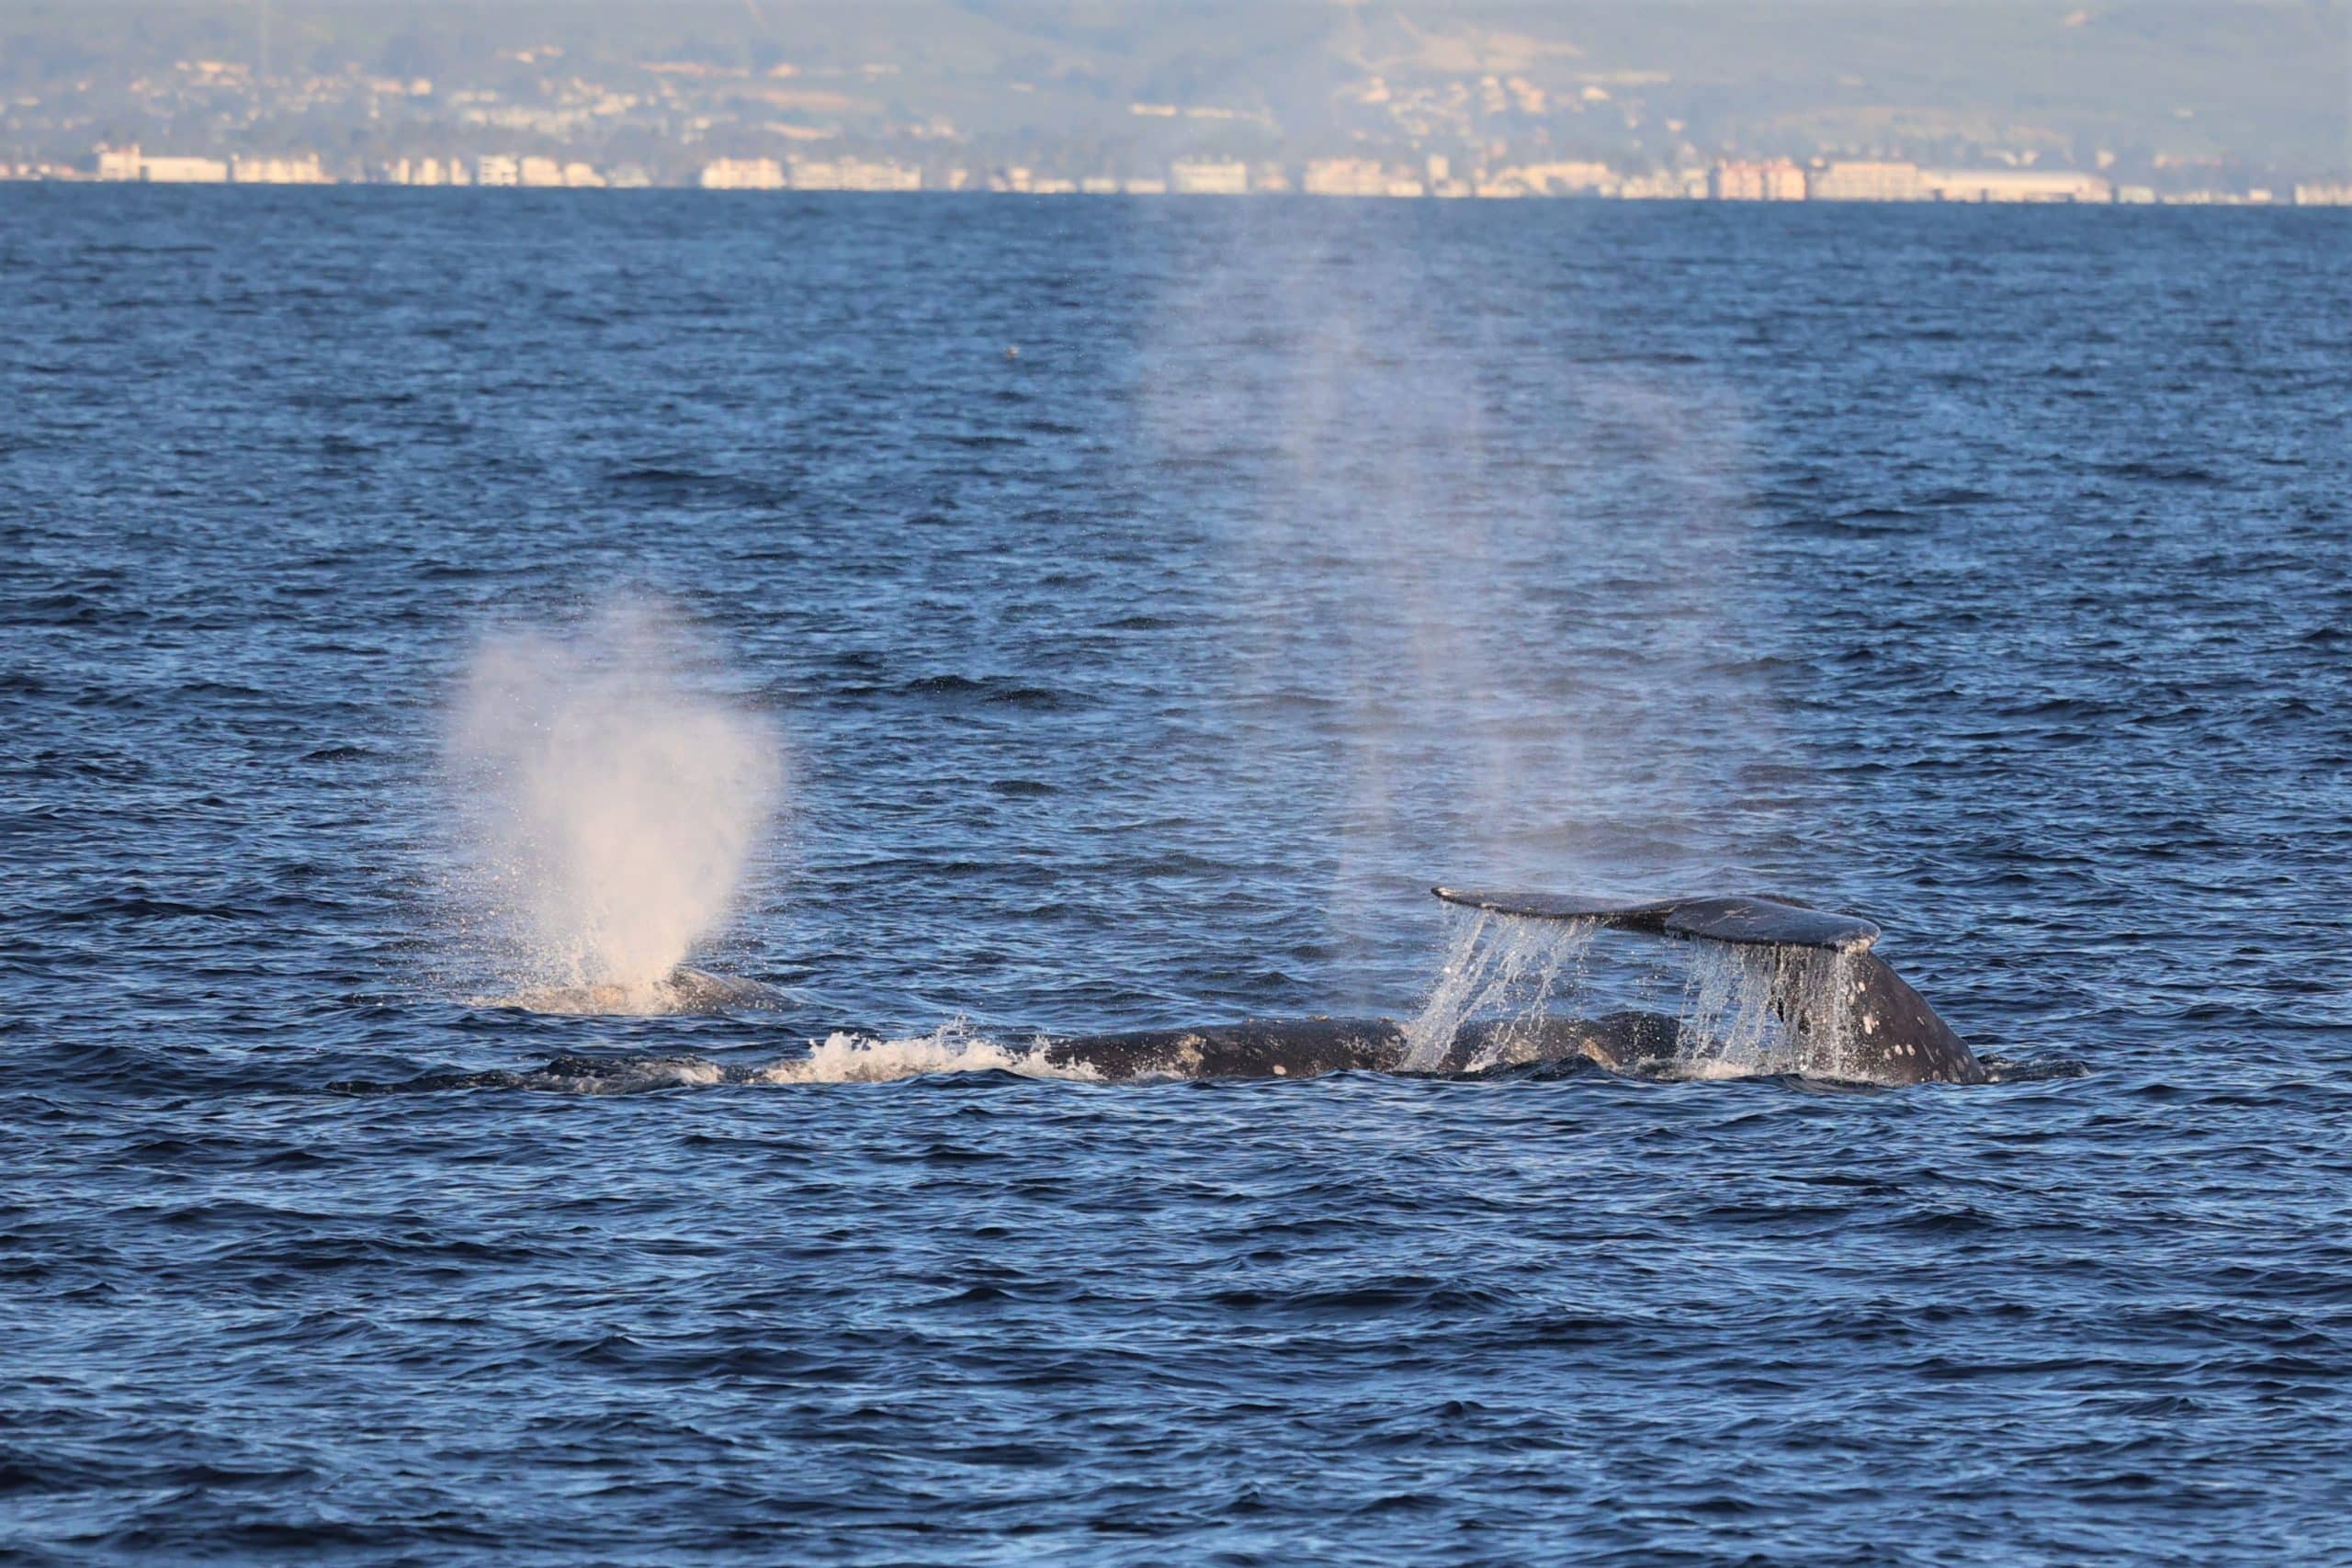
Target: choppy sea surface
<point x="1150" y="600"/>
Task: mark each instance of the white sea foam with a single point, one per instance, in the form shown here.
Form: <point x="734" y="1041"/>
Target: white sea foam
<point x="951" y="1048"/>
<point x="611" y="806"/>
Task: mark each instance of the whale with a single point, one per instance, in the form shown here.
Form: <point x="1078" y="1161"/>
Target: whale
<point x="1844" y="1013"/>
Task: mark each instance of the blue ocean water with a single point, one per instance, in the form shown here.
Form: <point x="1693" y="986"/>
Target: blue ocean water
<point x="1150" y="599"/>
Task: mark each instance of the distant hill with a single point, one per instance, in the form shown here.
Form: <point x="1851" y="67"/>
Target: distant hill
<point x="1648" y="83"/>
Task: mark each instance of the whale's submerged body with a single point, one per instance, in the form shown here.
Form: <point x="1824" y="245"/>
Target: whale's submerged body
<point x="1626" y="1041"/>
<point x="681" y="990"/>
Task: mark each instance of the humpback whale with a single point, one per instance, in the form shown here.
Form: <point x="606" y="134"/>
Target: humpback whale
<point x="1804" y="994"/>
<point x="1843" y="1011"/>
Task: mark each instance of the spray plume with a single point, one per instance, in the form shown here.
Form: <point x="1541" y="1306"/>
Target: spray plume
<point x="611" y="806"/>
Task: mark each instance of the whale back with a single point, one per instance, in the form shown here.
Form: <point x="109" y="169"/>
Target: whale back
<point x="1257" y="1048"/>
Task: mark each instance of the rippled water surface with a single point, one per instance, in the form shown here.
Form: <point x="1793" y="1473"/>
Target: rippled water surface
<point x="1980" y="571"/>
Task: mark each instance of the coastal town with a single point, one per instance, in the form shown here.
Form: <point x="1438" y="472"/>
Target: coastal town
<point x="1821" y="179"/>
<point x="1375" y="105"/>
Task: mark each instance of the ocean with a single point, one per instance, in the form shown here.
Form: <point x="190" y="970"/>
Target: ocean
<point x="1071" y="615"/>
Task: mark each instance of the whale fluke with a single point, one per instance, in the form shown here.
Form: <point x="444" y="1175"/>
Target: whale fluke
<point x="1745" y="921"/>
<point x="1840" y="1000"/>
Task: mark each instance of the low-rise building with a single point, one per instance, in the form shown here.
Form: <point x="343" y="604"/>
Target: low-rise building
<point x="497" y="169"/>
<point x="855" y="174"/>
<point x="1566" y="178"/>
<point x="1345" y="176"/>
<point x="1147" y="186"/>
<point x="1740" y="179"/>
<point x="2015" y="185"/>
<point x="184" y="171"/>
<point x="419" y="172"/>
<point x="301" y="171"/>
<point x="1209" y="176"/>
<point x="2324" y="192"/>
<point x="1867" y="181"/>
<point x="1671" y="185"/>
<point x="742" y="173"/>
<point x="130" y="164"/>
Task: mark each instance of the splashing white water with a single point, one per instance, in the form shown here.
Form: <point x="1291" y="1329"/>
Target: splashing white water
<point x="612" y="804"/>
<point x="1497" y="965"/>
<point x="951" y="1048"/>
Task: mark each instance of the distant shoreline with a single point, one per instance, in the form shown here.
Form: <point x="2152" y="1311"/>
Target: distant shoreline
<point x="1188" y="197"/>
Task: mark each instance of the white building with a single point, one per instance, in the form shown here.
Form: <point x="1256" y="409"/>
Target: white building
<point x="130" y="164"/>
<point x="742" y="173"/>
<point x="2324" y="192"/>
<point x="1673" y="185"/>
<point x="855" y="174"/>
<point x="302" y="170"/>
<point x="2014" y="185"/>
<point x="1569" y="178"/>
<point x="1345" y="176"/>
<point x="184" y="171"/>
<point x="1208" y="176"/>
<point x="497" y="169"/>
<point x="1739" y="179"/>
<point x="1867" y="182"/>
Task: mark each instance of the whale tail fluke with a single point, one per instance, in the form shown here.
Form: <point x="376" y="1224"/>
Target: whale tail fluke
<point x="1748" y="921"/>
<point x="1840" y="1000"/>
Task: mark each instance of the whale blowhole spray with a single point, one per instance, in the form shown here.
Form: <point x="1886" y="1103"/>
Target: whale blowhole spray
<point x="610" y="801"/>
